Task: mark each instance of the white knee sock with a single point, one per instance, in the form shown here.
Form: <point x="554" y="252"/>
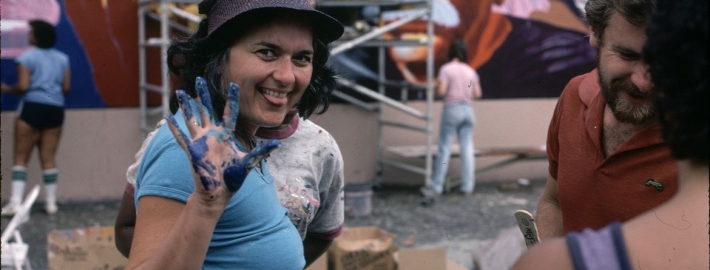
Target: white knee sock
<point x="50" y="184"/>
<point x="19" y="178"/>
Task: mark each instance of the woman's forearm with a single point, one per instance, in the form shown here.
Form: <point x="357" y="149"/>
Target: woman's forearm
<point x="15" y="89"/>
<point x="184" y="244"/>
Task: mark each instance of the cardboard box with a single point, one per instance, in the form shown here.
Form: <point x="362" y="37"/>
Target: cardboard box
<point x="362" y="248"/>
<point x="425" y="259"/>
<point x="421" y="259"/>
<point x="371" y="248"/>
<point x="84" y="248"/>
<point x="320" y="264"/>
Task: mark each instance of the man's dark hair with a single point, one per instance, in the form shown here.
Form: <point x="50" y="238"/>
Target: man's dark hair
<point x="677" y="54"/>
<point x="457" y="49"/>
<point x="206" y="56"/>
<point x="598" y="13"/>
<point x="44" y="34"/>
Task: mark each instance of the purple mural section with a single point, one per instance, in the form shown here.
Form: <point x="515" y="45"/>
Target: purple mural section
<point x="520" y="48"/>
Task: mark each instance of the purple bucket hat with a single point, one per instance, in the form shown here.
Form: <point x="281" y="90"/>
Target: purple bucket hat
<point x="221" y="11"/>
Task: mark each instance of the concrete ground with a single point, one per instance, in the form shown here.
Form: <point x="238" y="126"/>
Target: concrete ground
<point x="464" y="225"/>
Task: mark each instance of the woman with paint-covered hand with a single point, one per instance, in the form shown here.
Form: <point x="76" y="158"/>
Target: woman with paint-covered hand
<point x="202" y="201"/>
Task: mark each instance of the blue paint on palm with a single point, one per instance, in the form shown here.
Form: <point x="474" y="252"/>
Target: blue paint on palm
<point x="198" y="151"/>
<point x="234" y="171"/>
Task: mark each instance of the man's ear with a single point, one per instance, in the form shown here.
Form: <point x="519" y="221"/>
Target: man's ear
<point x="593" y="37"/>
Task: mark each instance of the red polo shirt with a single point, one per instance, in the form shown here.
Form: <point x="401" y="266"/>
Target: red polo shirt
<point x="593" y="190"/>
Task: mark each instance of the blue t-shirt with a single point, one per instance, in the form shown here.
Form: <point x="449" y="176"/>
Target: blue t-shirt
<point x="254" y="231"/>
<point x="47" y="68"/>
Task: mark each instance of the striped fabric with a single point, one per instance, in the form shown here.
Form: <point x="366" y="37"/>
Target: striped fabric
<point x="19" y="173"/>
<point x="50" y="176"/>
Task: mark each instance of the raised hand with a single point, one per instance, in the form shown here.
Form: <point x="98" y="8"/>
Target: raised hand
<point x="218" y="167"/>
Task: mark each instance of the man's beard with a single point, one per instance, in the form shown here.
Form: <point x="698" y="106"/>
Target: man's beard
<point x="624" y="110"/>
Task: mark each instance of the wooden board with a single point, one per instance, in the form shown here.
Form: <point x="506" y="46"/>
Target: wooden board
<point x="419" y="151"/>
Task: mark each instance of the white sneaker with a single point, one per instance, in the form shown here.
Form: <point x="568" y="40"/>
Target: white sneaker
<point x="51" y="208"/>
<point x="10" y="209"/>
<point x="428" y="192"/>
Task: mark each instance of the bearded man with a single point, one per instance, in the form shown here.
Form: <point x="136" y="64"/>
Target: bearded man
<point x="607" y="161"/>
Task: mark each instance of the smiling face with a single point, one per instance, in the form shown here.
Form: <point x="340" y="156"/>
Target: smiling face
<point x="272" y="66"/>
<point x="623" y="76"/>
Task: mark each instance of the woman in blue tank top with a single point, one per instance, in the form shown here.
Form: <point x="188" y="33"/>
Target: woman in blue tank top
<point x="202" y="201"/>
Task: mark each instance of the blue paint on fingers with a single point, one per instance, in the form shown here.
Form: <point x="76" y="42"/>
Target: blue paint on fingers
<point x="172" y="120"/>
<point x="185" y="104"/>
<point x="234" y="177"/>
<point x="204" y="93"/>
<point x="233" y="105"/>
<point x="259" y="152"/>
<point x="238" y="169"/>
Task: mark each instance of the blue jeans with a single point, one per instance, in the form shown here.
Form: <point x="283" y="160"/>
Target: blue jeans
<point x="457" y="119"/>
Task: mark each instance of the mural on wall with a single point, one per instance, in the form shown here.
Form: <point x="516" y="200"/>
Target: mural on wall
<point x="15" y="17"/>
<point x="103" y="49"/>
<point x="520" y="48"/>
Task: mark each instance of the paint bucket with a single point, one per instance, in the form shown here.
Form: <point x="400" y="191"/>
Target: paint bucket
<point x="358" y="200"/>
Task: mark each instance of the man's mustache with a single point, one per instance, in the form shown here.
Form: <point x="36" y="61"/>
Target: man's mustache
<point x="628" y="87"/>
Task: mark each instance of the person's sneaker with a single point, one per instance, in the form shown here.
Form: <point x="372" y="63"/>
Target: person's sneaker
<point x="464" y="193"/>
<point x="51" y="208"/>
<point x="10" y="209"/>
<point x="428" y="192"/>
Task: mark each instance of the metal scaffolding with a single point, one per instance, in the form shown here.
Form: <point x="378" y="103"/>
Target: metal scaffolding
<point x="422" y="10"/>
<point x="165" y="10"/>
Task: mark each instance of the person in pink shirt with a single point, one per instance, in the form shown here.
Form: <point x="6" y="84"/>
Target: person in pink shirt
<point x="458" y="84"/>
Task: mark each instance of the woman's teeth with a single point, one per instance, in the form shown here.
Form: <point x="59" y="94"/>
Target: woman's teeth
<point x="274" y="93"/>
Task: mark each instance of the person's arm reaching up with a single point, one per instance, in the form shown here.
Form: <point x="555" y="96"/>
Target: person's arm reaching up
<point x="170" y="234"/>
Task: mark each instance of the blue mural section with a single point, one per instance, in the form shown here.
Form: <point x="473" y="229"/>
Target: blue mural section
<point x="83" y="92"/>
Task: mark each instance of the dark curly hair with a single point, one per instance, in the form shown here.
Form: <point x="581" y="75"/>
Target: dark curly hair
<point x="677" y="53"/>
<point x="458" y="49"/>
<point x="44" y="34"/>
<point x="598" y="13"/>
<point x="206" y="56"/>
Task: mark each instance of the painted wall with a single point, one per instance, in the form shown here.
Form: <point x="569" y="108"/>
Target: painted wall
<point x="523" y="49"/>
<point x="520" y="48"/>
<point x="101" y="39"/>
<point x="97" y="145"/>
